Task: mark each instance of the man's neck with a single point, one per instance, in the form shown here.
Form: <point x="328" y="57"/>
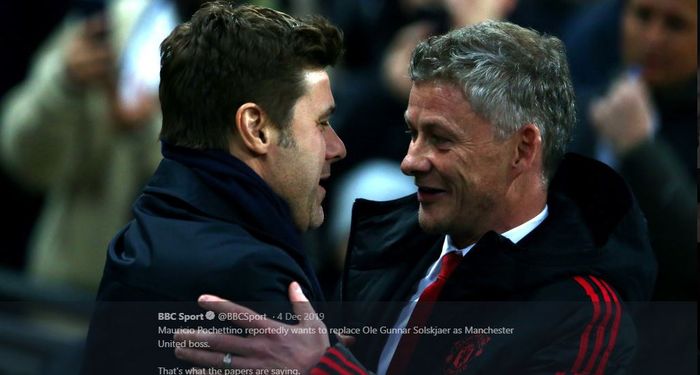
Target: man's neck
<point x="515" y="211"/>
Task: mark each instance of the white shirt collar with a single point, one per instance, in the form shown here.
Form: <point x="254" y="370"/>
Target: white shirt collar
<point x="515" y="234"/>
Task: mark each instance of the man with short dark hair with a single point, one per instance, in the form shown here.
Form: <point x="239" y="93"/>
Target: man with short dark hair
<point x="247" y="144"/>
<point x="502" y="215"/>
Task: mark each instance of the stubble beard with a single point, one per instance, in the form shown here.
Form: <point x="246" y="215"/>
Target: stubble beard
<point x="430" y="226"/>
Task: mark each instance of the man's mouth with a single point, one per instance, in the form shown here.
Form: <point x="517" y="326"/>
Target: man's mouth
<point x="323" y="182"/>
<point x="428" y="194"/>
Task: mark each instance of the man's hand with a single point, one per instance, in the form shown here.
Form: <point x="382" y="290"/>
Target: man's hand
<point x="134" y="116"/>
<point x="90" y="62"/>
<point x="624" y="115"/>
<point x="294" y="351"/>
<point x="398" y="56"/>
<point x="470" y="12"/>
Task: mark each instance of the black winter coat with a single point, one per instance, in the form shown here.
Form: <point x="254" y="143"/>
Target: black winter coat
<point x="562" y="288"/>
<point x="185" y="240"/>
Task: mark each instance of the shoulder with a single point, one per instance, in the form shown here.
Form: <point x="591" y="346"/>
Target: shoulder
<point x="255" y="271"/>
<point x="590" y="328"/>
<point x="582" y="288"/>
<point x="381" y="231"/>
<point x="583" y="301"/>
<point x="196" y="257"/>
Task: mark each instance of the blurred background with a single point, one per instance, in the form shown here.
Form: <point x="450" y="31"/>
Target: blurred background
<point x="79" y="120"/>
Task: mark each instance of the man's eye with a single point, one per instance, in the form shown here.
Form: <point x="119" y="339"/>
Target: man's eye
<point x="411" y="133"/>
<point x="643" y="14"/>
<point x="437" y="140"/>
<point x="675" y="23"/>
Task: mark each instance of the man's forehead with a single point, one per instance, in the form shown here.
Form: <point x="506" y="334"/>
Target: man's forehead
<point x="318" y="90"/>
<point x="437" y="90"/>
<point x="313" y="77"/>
<point x="440" y="97"/>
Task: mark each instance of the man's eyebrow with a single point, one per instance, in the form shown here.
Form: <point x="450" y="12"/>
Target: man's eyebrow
<point x="328" y="112"/>
<point x="428" y="126"/>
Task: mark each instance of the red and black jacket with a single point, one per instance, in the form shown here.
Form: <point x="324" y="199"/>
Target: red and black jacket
<point x="562" y="289"/>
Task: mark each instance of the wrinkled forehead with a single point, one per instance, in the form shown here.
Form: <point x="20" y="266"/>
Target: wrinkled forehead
<point x="439" y="102"/>
<point x="435" y="95"/>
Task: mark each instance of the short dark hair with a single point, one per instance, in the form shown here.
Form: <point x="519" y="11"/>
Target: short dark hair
<point x="227" y="55"/>
<point x="511" y="76"/>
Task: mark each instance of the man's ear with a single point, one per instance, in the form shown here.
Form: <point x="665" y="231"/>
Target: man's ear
<point x="254" y="128"/>
<point x="528" y="142"/>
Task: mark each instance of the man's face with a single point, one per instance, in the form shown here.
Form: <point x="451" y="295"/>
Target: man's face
<point x="661" y="37"/>
<point x="302" y="162"/>
<point x="460" y="169"/>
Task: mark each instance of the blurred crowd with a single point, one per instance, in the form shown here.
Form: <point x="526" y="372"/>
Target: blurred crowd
<point x="79" y="117"/>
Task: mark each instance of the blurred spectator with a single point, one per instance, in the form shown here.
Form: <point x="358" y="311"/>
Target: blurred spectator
<point x="634" y="68"/>
<point x="83" y="129"/>
<point x="22" y="38"/>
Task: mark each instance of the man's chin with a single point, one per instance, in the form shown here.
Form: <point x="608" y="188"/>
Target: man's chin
<point x="428" y="222"/>
<point x="317" y="219"/>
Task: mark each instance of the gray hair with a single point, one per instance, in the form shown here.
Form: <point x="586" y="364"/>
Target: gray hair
<point x="510" y="75"/>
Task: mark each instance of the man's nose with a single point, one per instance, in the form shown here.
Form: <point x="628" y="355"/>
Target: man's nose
<point x="655" y="32"/>
<point x="335" y="148"/>
<point x="415" y="161"/>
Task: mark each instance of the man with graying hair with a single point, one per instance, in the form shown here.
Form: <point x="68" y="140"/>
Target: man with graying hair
<point x="501" y="214"/>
